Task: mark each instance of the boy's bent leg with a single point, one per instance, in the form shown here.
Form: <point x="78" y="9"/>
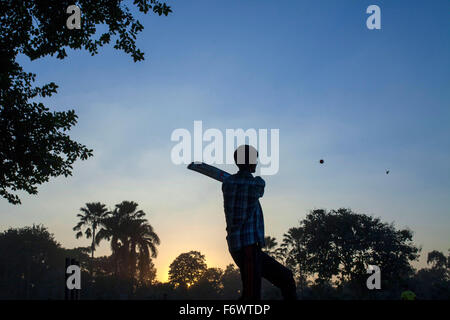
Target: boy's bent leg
<point x="279" y="275"/>
<point x="248" y="260"/>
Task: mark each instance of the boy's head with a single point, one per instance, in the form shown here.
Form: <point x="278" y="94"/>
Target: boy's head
<point x="246" y="157"/>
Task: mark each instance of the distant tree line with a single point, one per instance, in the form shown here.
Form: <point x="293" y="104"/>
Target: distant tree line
<point x="328" y="252"/>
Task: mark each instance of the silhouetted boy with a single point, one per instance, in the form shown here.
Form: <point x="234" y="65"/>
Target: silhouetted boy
<point x="245" y="229"/>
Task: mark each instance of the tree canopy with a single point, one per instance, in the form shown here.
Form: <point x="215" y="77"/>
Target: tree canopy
<point x="338" y="245"/>
<point x="34" y="142"/>
<point x="30" y="260"/>
<point x="187" y="269"/>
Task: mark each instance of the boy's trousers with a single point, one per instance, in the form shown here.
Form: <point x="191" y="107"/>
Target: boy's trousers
<point x="255" y="264"/>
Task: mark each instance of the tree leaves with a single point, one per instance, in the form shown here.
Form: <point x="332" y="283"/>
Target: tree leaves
<point x="339" y="244"/>
<point x="34" y="145"/>
<point x="187" y="269"/>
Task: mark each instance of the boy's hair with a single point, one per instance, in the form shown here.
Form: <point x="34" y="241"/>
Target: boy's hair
<point x="245" y="157"/>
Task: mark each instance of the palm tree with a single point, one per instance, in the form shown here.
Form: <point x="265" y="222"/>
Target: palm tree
<point x="128" y="232"/>
<point x="295" y="255"/>
<point x="112" y="231"/>
<point x="143" y="238"/>
<point x="90" y="219"/>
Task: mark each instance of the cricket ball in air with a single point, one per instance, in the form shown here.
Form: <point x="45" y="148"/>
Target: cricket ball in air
<point x="321" y="161"/>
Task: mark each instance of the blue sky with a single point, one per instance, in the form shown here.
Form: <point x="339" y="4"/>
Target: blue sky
<point x="363" y="100"/>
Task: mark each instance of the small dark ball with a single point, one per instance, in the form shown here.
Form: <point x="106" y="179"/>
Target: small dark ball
<point x="321" y="161"/>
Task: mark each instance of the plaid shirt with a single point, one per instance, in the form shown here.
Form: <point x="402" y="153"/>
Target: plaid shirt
<point x="243" y="212"/>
